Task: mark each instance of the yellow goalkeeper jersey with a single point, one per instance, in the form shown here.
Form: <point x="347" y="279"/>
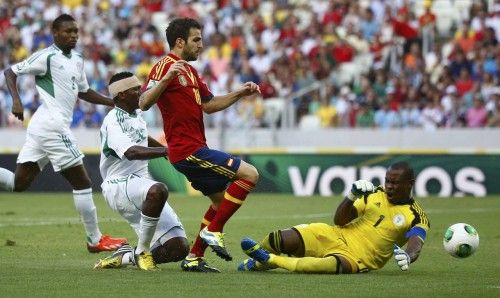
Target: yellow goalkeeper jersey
<point x="381" y="224"/>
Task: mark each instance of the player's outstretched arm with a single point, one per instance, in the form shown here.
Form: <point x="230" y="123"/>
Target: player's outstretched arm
<point x="151" y="95"/>
<point x="143" y="153"/>
<point x="346" y="211"/>
<point x="405" y="257"/>
<point x="95" y="98"/>
<point x="414" y="247"/>
<point x="219" y="103"/>
<point x="17" y="106"/>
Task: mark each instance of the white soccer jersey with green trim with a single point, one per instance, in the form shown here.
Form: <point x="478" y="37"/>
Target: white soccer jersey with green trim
<point x="59" y="78"/>
<point x="120" y="131"/>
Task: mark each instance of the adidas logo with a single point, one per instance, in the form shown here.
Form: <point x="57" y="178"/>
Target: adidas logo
<point x="377" y="204"/>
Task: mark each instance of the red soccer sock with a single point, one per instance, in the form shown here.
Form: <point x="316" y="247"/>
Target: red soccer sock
<point x="199" y="246"/>
<point x="235" y="194"/>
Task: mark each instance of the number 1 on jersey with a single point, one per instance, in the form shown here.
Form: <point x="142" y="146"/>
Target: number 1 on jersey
<point x="381" y="218"/>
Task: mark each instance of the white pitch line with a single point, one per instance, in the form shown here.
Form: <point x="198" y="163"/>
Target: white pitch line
<point x="28" y="222"/>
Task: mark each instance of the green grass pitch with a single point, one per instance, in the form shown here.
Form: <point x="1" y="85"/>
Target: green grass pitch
<point x="42" y="253"/>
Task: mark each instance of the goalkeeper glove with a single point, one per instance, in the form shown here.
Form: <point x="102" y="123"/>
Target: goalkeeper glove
<point x="359" y="189"/>
<point x="402" y="258"/>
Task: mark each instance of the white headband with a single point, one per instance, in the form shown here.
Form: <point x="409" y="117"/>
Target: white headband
<point x="122" y="85"/>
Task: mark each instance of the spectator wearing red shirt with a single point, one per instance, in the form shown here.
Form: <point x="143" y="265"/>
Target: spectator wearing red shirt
<point x="182" y="98"/>
<point x="464" y="83"/>
<point x="335" y="14"/>
<point x="342" y="52"/>
<point x="428" y="18"/>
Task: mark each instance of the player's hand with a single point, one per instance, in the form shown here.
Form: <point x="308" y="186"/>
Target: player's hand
<point x="359" y="189"/>
<point x="175" y="69"/>
<point x="402" y="258"/>
<point x="18" y="110"/>
<point x="249" y="88"/>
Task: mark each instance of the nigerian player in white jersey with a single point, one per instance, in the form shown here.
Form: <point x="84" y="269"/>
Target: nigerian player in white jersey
<point x="60" y="80"/>
<point x="128" y="187"/>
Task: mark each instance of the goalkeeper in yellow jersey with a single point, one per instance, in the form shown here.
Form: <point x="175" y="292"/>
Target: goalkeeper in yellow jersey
<point x="371" y="224"/>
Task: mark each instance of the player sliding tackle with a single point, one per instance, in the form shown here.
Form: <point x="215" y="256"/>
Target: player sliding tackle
<point x="370" y="225"/>
<point x="129" y="189"/>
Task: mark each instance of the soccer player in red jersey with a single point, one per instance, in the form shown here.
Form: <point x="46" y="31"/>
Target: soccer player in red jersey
<point x="182" y="97"/>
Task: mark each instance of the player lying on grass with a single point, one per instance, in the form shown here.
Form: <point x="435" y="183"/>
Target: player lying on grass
<point x="128" y="187"/>
<point x="370" y="225"/>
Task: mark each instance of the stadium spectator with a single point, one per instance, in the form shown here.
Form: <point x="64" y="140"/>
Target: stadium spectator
<point x="355" y="243"/>
<point x="300" y="35"/>
<point x="477" y="116"/>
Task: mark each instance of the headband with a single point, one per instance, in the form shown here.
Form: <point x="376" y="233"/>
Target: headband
<point x="122" y="85"/>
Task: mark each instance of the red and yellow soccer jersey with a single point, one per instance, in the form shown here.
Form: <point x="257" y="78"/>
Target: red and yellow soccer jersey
<point x="180" y="107"/>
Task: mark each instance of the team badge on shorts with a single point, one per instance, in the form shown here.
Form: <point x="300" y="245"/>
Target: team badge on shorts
<point x="182" y="80"/>
<point x="230" y="162"/>
<point x="398" y="219"/>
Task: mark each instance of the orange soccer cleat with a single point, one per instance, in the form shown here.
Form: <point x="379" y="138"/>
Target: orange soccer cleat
<point x="107" y="243"/>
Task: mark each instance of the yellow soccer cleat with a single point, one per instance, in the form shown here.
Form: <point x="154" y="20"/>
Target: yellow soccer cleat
<point x="197" y="264"/>
<point x="114" y="261"/>
<point x="144" y="261"/>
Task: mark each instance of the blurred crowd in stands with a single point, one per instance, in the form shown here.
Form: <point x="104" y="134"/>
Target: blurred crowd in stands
<point x="321" y="63"/>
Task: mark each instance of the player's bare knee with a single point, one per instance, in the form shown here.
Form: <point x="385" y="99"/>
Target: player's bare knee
<point x="181" y="251"/>
<point x="254" y="174"/>
<point x="158" y="192"/>
<point x="174" y="250"/>
<point x="291" y="242"/>
<point x="251" y="174"/>
<point x="21" y="185"/>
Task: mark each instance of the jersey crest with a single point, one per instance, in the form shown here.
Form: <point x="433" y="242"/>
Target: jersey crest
<point x="399" y="219"/>
<point x="182" y="80"/>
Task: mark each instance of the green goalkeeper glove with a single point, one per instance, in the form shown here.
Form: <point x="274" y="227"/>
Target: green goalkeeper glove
<point x="402" y="258"/>
<point x="359" y="189"/>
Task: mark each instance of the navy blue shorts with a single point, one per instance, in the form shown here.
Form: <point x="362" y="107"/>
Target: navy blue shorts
<point x="209" y="171"/>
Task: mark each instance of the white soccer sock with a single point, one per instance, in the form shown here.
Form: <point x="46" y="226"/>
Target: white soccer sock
<point x="85" y="206"/>
<point x="6" y="180"/>
<point x="127" y="259"/>
<point x="147" y="230"/>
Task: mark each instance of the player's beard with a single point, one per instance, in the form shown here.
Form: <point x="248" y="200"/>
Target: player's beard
<point x="190" y="55"/>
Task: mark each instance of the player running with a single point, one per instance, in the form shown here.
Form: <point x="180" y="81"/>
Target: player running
<point x="129" y="189"/>
<point x="60" y="80"/>
<point x="182" y="98"/>
<point x="370" y="226"/>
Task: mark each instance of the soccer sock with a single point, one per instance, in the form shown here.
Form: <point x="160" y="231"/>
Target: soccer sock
<point x="199" y="246"/>
<point x="6" y="180"/>
<point x="234" y="196"/>
<point x="147" y="228"/>
<point x="86" y="208"/>
<point x="127" y="259"/>
<point x="307" y="264"/>
<point x="272" y="242"/>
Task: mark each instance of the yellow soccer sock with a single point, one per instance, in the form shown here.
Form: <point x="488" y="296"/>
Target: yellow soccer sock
<point x="307" y="264"/>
